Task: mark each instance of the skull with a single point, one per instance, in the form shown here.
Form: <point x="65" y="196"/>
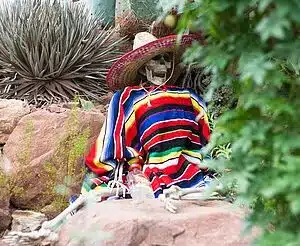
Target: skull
<point x="158" y="69"/>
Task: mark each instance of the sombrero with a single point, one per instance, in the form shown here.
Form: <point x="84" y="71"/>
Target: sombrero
<point x="124" y="71"/>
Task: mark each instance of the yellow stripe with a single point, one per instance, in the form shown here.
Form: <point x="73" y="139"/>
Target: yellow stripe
<point x="99" y="145"/>
<point x="192" y="154"/>
<point x="196" y="105"/>
<point x="199" y="108"/>
<point x="99" y="149"/>
<point x="99" y="187"/>
<point x="133" y="161"/>
<point x="165" y="158"/>
<point x="130" y="121"/>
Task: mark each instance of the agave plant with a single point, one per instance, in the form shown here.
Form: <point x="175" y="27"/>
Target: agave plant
<point x="56" y="50"/>
<point x="197" y="78"/>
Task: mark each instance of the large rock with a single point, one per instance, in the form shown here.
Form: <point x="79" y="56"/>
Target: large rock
<point x="11" y="111"/>
<point x="124" y="222"/>
<point x="44" y="148"/>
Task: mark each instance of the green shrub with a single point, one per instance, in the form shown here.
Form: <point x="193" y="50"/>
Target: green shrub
<point x="64" y="170"/>
<point x="56" y="49"/>
<point x="253" y="46"/>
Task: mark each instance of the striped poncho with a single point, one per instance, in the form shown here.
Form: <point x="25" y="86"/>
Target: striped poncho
<point x="158" y="130"/>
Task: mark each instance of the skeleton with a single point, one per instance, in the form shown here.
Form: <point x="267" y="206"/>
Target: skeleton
<point x="156" y="71"/>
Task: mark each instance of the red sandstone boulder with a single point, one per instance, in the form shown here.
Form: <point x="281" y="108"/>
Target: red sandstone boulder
<point x="123" y="222"/>
<point x="11" y="111"/>
<point x="44" y="148"/>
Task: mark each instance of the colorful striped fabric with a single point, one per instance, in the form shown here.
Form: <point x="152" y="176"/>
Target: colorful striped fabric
<point x="161" y="132"/>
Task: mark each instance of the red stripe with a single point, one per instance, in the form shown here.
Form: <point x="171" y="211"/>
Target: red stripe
<point x="161" y="100"/>
<point x="189" y="173"/>
<point x="89" y="161"/>
<point x="131" y="133"/>
<point x="163" y="124"/>
<point x="155" y="184"/>
<point x="171" y="135"/>
<point x="119" y="126"/>
<point x="205" y="129"/>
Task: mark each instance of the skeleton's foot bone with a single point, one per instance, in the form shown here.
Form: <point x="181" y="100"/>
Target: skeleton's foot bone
<point x="168" y="205"/>
<point x="117" y="183"/>
<point x="118" y="187"/>
<point x="177" y="193"/>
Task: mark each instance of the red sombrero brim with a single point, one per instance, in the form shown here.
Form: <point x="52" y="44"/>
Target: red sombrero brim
<point x="123" y="72"/>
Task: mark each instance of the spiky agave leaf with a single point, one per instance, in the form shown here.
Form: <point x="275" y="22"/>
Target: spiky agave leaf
<point x="56" y="48"/>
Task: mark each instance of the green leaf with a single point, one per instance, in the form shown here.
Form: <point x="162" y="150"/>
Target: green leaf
<point x="263" y="4"/>
<point x="254" y="66"/>
<point x="294" y="203"/>
<point x="273" y="26"/>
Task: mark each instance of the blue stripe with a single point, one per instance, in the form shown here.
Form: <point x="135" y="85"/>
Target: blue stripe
<point x="113" y="111"/>
<point x="166" y="115"/>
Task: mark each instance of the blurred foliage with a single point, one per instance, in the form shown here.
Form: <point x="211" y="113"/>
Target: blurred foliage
<point x="53" y="50"/>
<point x="253" y="46"/>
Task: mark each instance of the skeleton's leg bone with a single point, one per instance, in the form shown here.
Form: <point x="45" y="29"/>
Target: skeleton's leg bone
<point x="114" y="181"/>
<point x="177" y="193"/>
<point x="201" y="196"/>
<point x="117" y="182"/>
<point x="59" y="218"/>
<point x="183" y="192"/>
<point x="93" y="195"/>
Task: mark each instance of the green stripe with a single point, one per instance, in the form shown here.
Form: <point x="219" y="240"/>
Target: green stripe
<point x="87" y="187"/>
<point x="164" y="153"/>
